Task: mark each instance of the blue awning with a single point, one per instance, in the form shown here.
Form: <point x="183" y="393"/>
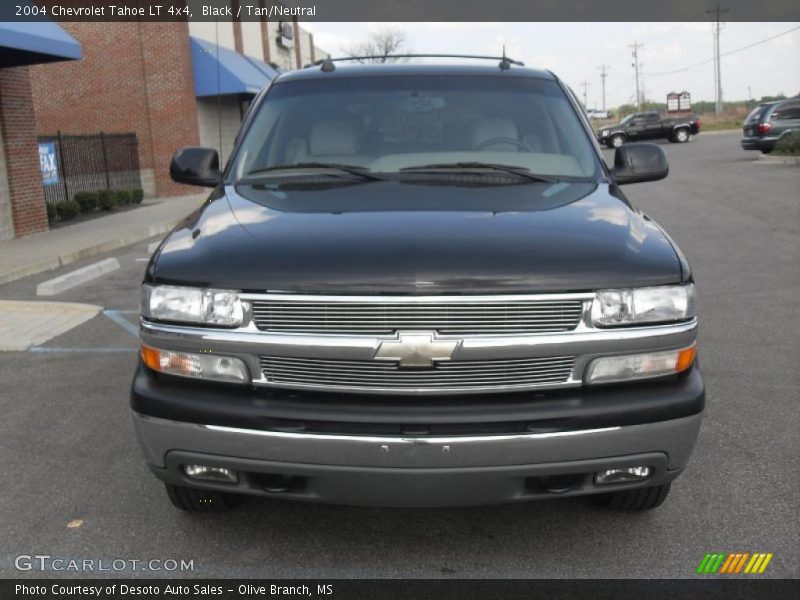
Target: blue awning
<point x="223" y="71"/>
<point x="34" y="42"/>
<point x="270" y="71"/>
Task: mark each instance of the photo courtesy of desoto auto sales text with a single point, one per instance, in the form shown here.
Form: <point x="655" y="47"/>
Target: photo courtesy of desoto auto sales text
<point x="399" y="299"/>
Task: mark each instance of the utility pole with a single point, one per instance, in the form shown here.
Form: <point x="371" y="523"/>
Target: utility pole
<point x="635" y="47"/>
<point x="717" y="12"/>
<point x="603" y="75"/>
<point x="585" y="84"/>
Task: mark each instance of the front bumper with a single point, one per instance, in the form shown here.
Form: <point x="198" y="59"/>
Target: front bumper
<point x="425" y="470"/>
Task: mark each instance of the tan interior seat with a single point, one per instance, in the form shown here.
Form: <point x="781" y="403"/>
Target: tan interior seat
<point x="490" y="134"/>
<point x="329" y="142"/>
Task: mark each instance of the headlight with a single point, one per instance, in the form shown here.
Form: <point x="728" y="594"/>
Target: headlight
<point x="640" y="366"/>
<point x="643" y="305"/>
<point x="191" y="305"/>
<point x="603" y="133"/>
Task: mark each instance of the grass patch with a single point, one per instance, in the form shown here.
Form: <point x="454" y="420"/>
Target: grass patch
<point x="788" y="145"/>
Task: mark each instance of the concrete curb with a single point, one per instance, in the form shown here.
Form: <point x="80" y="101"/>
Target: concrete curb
<point x="69" y="280"/>
<point x="773" y="159"/>
<point x="93" y="250"/>
<point x="718" y="131"/>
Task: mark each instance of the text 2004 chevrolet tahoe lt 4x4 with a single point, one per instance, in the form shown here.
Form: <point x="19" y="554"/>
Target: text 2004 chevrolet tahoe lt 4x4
<point x="417" y="285"/>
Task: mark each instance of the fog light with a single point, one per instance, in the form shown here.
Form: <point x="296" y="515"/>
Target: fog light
<point x="199" y="366"/>
<point x="206" y="473"/>
<point x="624" y="475"/>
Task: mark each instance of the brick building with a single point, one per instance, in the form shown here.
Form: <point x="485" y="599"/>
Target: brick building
<point x="150" y="79"/>
<point x="22" y="208"/>
<point x="172" y="84"/>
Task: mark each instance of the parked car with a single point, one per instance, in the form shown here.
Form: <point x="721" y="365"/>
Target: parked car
<point x="595" y="113"/>
<point x="417" y="285"/>
<point x="768" y="122"/>
<point x="649" y="126"/>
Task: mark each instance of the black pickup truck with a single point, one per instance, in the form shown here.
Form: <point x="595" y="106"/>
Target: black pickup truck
<point x="649" y="126"/>
<point x="417" y="285"/>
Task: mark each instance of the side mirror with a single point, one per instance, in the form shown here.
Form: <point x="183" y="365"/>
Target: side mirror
<point x="638" y="162"/>
<point x="196" y="166"/>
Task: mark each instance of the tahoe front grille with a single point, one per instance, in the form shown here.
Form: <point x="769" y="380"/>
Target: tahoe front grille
<point x="443" y="376"/>
<point x="461" y="317"/>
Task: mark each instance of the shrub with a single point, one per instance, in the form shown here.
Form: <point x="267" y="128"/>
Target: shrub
<point x="122" y="197"/>
<point x="87" y="201"/>
<point x="67" y="210"/>
<point x="137" y="195"/>
<point x="51" y="213"/>
<point x="789" y="144"/>
<point x="106" y="199"/>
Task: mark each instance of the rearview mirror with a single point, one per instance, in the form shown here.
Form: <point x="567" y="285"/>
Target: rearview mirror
<point x="196" y="166"/>
<point x="638" y="162"/>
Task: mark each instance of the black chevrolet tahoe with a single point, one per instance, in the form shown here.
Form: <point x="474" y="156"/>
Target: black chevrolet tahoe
<point x="417" y="285"/>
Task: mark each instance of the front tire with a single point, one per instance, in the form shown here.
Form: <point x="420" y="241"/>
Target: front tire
<point x="197" y="500"/>
<point x="639" y="499"/>
<point x="681" y="136"/>
<point x="617" y="141"/>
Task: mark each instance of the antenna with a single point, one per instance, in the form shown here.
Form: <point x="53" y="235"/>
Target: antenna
<point x="504" y="65"/>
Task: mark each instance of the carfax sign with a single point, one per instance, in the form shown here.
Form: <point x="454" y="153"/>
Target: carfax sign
<point x="47" y="162"/>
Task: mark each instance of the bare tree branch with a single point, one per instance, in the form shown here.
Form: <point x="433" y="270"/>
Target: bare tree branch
<point x="381" y="44"/>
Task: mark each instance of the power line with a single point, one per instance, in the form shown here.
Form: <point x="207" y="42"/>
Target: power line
<point x="619" y="87"/>
<point x="708" y="60"/>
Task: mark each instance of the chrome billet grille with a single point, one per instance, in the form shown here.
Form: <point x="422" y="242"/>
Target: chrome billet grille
<point x="443" y="376"/>
<point x="447" y="318"/>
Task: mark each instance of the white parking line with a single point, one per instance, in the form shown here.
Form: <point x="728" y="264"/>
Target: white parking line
<point x="122" y="322"/>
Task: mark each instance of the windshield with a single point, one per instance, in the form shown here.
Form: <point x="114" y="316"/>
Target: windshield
<point x="627" y="120"/>
<point x="399" y="124"/>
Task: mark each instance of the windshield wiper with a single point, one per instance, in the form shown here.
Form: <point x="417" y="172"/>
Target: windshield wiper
<point x="520" y="171"/>
<point x="362" y="172"/>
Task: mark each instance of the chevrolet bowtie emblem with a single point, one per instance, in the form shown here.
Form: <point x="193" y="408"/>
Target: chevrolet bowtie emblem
<point x="418" y="349"/>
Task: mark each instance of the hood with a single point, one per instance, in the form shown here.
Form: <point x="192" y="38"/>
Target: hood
<point x="398" y="237"/>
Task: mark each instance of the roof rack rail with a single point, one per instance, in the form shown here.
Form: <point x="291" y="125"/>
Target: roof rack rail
<point x="328" y="64"/>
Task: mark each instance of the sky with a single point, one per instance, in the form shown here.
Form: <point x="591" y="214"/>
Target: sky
<point x="575" y="51"/>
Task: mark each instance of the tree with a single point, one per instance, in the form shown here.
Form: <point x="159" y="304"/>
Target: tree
<point x="380" y="45"/>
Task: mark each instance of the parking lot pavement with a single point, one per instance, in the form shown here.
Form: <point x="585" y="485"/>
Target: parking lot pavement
<point x="69" y="450"/>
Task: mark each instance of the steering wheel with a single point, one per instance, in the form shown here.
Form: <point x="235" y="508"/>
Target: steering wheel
<point x="503" y="140"/>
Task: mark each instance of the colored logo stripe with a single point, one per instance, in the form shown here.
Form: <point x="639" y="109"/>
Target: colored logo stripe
<point x="710" y="563"/>
<point x="758" y="563"/>
<point x="734" y="563"/>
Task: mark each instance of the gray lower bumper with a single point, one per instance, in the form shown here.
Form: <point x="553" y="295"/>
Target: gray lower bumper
<point x="415" y="470"/>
